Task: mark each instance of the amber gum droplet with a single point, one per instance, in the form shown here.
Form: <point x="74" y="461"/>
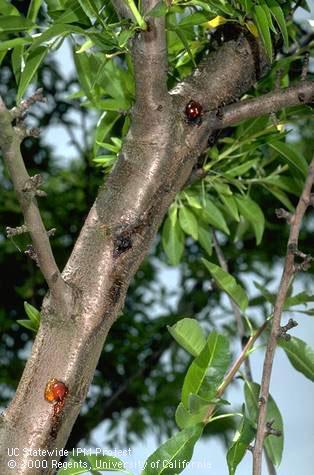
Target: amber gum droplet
<point x="55" y="390"/>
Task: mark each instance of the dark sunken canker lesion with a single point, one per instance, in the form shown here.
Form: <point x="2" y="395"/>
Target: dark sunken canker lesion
<point x="122" y="243"/>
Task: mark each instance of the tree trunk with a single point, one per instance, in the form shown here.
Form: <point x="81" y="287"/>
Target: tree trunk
<point x="155" y="163"/>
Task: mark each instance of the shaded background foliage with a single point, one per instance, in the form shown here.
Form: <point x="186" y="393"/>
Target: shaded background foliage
<point x="140" y="370"/>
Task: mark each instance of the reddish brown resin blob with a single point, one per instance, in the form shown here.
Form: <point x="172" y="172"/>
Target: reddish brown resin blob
<point x="193" y="110"/>
<point x="55" y="391"/>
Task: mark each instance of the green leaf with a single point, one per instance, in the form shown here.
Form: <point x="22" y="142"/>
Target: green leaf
<point x="15" y="23"/>
<point x="228" y="283"/>
<point x="174" y="452"/>
<point x="27" y="324"/>
<point x="32" y="313"/>
<point x="212" y="215"/>
<point x="9" y="44"/>
<point x="17" y="60"/>
<point x="243" y="437"/>
<point x="173" y="241"/>
<point x="281" y="196"/>
<point x="268" y="15"/>
<point x="194" y="19"/>
<point x="185" y="419"/>
<point x="296" y="162"/>
<point x="181" y="35"/>
<point x="118" y="104"/>
<point x="34" y="60"/>
<point x="8" y="9"/>
<point x="189" y="334"/>
<point x="207" y="370"/>
<point x="231" y="206"/>
<point x="90" y="9"/>
<point x="197" y="403"/>
<point x="278" y="14"/>
<point x="261" y="21"/>
<point x="253" y="214"/>
<point x="273" y="444"/>
<point x="188" y="222"/>
<point x="300" y="355"/>
<point x="204" y="237"/>
<point x="33" y="9"/>
<point x="68" y="12"/>
<point x="2" y="56"/>
<point x="266" y="294"/>
<point x="240" y="170"/>
<point x="192" y="200"/>
<point x="58" y="29"/>
<point x="104" y="125"/>
<point x="288" y="184"/>
<point x="84" y="73"/>
<point x="298" y="299"/>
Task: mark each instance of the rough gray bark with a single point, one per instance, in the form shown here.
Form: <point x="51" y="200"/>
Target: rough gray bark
<point x="155" y="163"/>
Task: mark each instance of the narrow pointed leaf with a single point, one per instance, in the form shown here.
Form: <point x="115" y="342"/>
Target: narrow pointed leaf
<point x="9" y="44"/>
<point x="253" y="214"/>
<point x="173" y="241"/>
<point x="261" y="21"/>
<point x="33" y="9"/>
<point x="212" y="215"/>
<point x="300" y="355"/>
<point x="188" y="222"/>
<point x="32" y="313"/>
<point x="231" y="206"/>
<point x="278" y="14"/>
<point x="204" y="237"/>
<point x="296" y="162"/>
<point x="299" y="299"/>
<point x="33" y="62"/>
<point x="228" y="283"/>
<point x="27" y="324"/>
<point x="15" y="23"/>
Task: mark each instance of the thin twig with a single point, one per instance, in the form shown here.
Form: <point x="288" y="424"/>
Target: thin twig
<point x="24" y="105"/>
<point x="286" y="279"/>
<point x="26" y="189"/>
<point x="301" y="93"/>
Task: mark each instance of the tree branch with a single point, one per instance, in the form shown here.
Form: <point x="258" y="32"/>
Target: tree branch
<point x="149" y="52"/>
<point x="26" y="189"/>
<point x="158" y="155"/>
<point x="301" y="93"/>
<point x="286" y="279"/>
